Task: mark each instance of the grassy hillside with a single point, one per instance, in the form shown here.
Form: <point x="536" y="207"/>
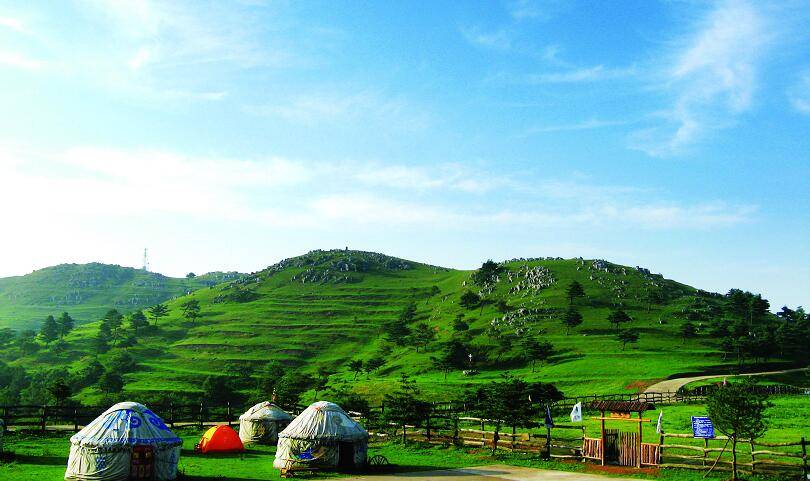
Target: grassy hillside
<point x="320" y="311"/>
<point x="88" y="290"/>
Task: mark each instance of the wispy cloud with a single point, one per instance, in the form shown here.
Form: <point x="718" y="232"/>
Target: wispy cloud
<point x="711" y="79"/>
<point x="98" y="184"/>
<point x="589" y="124"/>
<point x="454" y="177"/>
<point x="498" y="40"/>
<point x="534" y="9"/>
<point x="14" y="24"/>
<point x="19" y="61"/>
<point x="799" y="93"/>
<point x="336" y="106"/>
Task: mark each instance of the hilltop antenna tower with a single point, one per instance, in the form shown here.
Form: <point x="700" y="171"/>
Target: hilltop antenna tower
<point x="145" y="259"/>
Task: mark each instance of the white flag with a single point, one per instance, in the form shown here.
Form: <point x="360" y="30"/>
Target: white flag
<point x="660" y="418"/>
<point x="576" y="413"/>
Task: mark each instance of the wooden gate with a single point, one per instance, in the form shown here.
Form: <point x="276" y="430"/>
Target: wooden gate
<point x="612" y="450"/>
<point x="628" y="449"/>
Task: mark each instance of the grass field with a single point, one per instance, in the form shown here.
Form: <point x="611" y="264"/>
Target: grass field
<point x="321" y="310"/>
<point x="43" y="456"/>
<point x="86" y="291"/>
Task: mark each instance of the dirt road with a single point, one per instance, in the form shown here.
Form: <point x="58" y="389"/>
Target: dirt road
<point x="490" y="473"/>
<point x="672" y="385"/>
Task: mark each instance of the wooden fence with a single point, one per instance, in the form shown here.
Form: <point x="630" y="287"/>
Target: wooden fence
<point x="445" y="426"/>
<point x="753" y="456"/>
<point x="75" y="417"/>
<point x="561" y="441"/>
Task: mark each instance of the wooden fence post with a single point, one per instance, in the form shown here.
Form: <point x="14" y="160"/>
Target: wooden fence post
<point x="483" y="434"/>
<point x="44" y="417"/>
<point x="455" y="429"/>
<point x="228" y="414"/>
<point x="705" y="450"/>
<point x="548" y="442"/>
<point x="753" y="458"/>
<point x="427" y="427"/>
<point x="75" y="419"/>
<point x="514" y="443"/>
<point x="804" y="457"/>
<point x="171" y="414"/>
<point x="201" y="414"/>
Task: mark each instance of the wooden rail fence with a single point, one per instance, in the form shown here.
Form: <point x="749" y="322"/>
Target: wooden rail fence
<point x="753" y="456"/>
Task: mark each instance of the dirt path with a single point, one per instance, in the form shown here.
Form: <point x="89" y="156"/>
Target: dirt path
<point x="672" y="385"/>
<point x="490" y="473"/>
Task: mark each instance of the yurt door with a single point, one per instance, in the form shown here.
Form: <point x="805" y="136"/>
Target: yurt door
<point x="346" y="455"/>
<point x="142" y="464"/>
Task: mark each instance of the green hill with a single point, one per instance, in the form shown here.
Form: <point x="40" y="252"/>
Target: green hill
<point x="89" y="290"/>
<point x="317" y="312"/>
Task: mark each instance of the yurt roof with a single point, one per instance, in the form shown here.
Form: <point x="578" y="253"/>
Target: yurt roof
<point x="126" y="424"/>
<point x="265" y="410"/>
<point x="324" y="420"/>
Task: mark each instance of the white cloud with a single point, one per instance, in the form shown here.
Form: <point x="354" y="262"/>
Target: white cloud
<point x="355" y="106"/>
<point x="534" y="9"/>
<point x="96" y="186"/>
<point x="446" y="177"/>
<point x="589" y="124"/>
<point x="586" y="74"/>
<point x="712" y="78"/>
<point x="20" y="61"/>
<point x="799" y="93"/>
<point x="498" y="40"/>
<point x="14" y="24"/>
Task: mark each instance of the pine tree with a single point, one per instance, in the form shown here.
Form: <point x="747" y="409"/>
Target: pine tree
<point x="573" y="291"/>
<point x="50" y="330"/>
<point x="572" y="319"/>
<point x="627" y="336"/>
<point x="618" y="317"/>
<point x="157" y="311"/>
<point x="66" y="324"/>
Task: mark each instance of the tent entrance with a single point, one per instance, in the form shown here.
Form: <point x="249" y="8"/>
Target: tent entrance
<point x="142" y="463"/>
<point x="345" y="455"/>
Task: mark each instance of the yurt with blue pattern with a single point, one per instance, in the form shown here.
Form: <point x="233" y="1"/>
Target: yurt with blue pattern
<point x="323" y="436"/>
<point x="127" y="442"/>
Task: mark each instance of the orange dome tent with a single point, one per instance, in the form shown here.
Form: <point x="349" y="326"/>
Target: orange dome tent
<point x="220" y="439"/>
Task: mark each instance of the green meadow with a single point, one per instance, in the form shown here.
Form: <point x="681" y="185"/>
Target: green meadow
<point x="317" y="312"/>
<point x="43" y="456"/>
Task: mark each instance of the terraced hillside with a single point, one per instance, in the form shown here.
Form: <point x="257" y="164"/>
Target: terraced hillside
<point x="318" y="312"/>
<point x="88" y="290"/>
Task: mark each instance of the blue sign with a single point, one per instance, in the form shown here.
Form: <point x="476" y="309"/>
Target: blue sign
<point x="702" y="427"/>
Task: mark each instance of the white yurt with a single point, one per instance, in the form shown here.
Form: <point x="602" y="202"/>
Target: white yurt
<point x="262" y="423"/>
<point x="127" y="442"/>
<point x="323" y="436"/>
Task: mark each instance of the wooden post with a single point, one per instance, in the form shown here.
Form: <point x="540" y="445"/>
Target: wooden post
<point x="455" y="429"/>
<point x="602" y="442"/>
<point x="228" y="414"/>
<point x="548" y="442"/>
<point x="804" y="458"/>
<point x="44" y="417"/>
<point x="638" y="461"/>
<point x="427" y="427"/>
<point x="660" y="448"/>
<point x="171" y="414"/>
<point x="201" y="414"/>
<point x="75" y="419"/>
<point x="483" y="434"/>
<point x="513" y="438"/>
<point x="705" y="449"/>
<point x="753" y="458"/>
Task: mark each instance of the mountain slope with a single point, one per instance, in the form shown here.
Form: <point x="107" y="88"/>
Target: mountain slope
<point x="321" y="310"/>
<point x="89" y="290"/>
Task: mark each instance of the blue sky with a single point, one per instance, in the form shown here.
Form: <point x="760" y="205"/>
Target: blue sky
<point x="229" y="135"/>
